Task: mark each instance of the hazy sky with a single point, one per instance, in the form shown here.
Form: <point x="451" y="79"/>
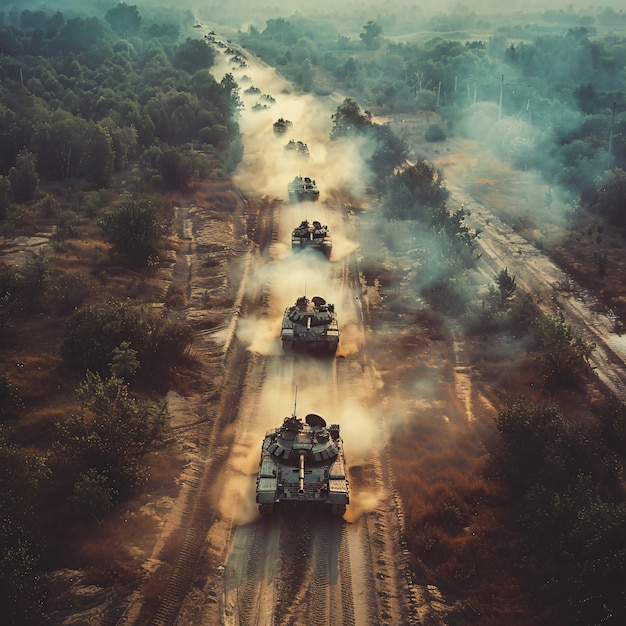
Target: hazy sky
<point x="288" y="7"/>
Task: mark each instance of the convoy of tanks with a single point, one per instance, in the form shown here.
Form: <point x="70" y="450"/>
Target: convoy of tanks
<point x="302" y="463"/>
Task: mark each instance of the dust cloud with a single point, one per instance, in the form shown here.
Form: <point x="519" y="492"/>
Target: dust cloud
<point x="267" y="167"/>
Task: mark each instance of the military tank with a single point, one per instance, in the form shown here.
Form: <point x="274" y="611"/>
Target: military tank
<point x="313" y="236"/>
<point x="297" y="147"/>
<point x="303" y="188"/>
<point x="302" y="463"/>
<point x="310" y="325"/>
<point x="281" y="126"/>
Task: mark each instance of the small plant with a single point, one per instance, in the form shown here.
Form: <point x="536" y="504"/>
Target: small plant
<point x="506" y="286"/>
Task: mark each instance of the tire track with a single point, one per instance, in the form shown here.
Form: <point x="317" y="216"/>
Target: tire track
<point x="254" y="591"/>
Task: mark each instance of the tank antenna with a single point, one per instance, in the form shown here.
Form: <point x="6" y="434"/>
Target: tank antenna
<point x="295" y="400"/>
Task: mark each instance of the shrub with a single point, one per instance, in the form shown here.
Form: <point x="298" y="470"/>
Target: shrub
<point x="561" y="354"/>
<point x="96" y="331"/>
<point x="104" y="444"/>
<point x="434" y="133"/>
<point x="135" y="230"/>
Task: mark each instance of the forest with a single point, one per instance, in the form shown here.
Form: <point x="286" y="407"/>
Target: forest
<point x="89" y="96"/>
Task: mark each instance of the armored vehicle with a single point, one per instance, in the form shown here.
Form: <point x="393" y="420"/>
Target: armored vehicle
<point x="303" y="188"/>
<point x="297" y="147"/>
<point x="314" y="236"/>
<point x="310" y="325"/>
<point x="281" y="125"/>
<point x="302" y="463"/>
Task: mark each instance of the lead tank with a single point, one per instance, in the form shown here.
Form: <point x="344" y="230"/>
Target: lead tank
<point x="303" y="463"/>
<point x="312" y="235"/>
<point x="310" y="325"/>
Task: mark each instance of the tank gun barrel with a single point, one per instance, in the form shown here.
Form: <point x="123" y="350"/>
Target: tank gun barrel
<point x="302" y="455"/>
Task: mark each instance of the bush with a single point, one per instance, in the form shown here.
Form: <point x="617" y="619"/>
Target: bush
<point x="135" y="230"/>
<point x="103" y="445"/>
<point x="434" y="133"/>
<point x="96" y="331"/>
<point x="562" y="356"/>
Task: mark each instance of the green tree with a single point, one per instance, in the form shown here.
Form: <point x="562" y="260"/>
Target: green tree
<point x="98" y="158"/>
<point x="124" y="142"/>
<point x="124" y="364"/>
<point x="23" y="177"/>
<point x="92" y="495"/>
<point x="562" y="355"/>
<point x="349" y="121"/>
<point x="176" y="168"/>
<point x="426" y="186"/>
<point x="371" y="35"/>
<point x="135" y="229"/>
<point x="390" y="152"/>
<point x="124" y="19"/>
<point x="305" y="75"/>
<point x="506" y="286"/>
<point x="60" y="140"/>
<point x="105" y="443"/>
<point x="194" y="55"/>
<point x="216" y="135"/>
